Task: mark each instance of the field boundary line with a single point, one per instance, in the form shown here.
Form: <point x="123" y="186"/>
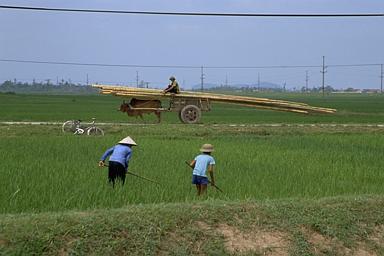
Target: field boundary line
<point x="214" y="125"/>
<point x="61" y="123"/>
<point x="301" y="125"/>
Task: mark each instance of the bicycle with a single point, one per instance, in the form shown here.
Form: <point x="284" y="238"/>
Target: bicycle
<point x="75" y="127"/>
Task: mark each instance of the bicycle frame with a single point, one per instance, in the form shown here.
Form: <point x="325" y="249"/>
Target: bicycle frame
<point x="90" y="129"/>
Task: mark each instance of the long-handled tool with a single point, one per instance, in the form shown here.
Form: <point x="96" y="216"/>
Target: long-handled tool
<point x="213" y="185"/>
<point x="141" y="177"/>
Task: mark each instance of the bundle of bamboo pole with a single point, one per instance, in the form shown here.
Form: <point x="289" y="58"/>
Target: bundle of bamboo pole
<point x="262" y="103"/>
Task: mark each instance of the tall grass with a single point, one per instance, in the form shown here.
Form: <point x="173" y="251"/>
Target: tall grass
<point x="53" y="172"/>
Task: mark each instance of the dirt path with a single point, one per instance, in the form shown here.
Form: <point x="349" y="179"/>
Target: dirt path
<point x="61" y="123"/>
<point x="215" y="125"/>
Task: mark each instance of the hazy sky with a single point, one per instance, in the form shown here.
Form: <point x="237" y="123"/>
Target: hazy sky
<point x="194" y="41"/>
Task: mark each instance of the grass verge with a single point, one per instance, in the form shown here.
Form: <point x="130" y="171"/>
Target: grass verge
<point x="332" y="226"/>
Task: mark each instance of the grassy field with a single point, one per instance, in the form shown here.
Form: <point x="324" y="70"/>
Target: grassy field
<point x="367" y="108"/>
<point x="275" y="178"/>
<point x="45" y="170"/>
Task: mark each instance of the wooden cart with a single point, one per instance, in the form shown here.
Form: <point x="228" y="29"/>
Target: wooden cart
<point x="189" y="109"/>
<point x="190" y="105"/>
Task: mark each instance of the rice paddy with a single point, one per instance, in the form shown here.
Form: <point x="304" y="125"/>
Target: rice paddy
<point x="45" y="170"/>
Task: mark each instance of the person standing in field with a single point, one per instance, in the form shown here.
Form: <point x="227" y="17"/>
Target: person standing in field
<point x="201" y="164"/>
<point x="120" y="155"/>
<point x="173" y="87"/>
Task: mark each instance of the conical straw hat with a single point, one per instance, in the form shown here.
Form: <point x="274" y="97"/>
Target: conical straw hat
<point x="128" y="140"/>
<point x="207" y="148"/>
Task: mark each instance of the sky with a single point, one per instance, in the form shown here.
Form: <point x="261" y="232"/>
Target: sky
<point x="194" y="41"/>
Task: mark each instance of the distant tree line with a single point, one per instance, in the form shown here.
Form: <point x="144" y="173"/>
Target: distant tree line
<point x="64" y="87"/>
<point x="327" y="89"/>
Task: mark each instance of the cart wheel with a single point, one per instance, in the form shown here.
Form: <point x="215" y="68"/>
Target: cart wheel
<point x="69" y="126"/>
<point x="95" y="131"/>
<point x="190" y="114"/>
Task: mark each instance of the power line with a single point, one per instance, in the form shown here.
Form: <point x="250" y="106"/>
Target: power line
<point x="290" y="15"/>
<point x="182" y="66"/>
<point x="262" y="67"/>
<point x="94" y="64"/>
<point x="354" y="65"/>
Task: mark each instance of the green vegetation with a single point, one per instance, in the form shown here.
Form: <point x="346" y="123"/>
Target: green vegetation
<point x="313" y="188"/>
<point x="366" y="108"/>
<point x="45" y="170"/>
<point x="63" y="87"/>
<point x="339" y="226"/>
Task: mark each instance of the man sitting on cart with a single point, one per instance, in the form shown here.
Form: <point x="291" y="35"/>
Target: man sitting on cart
<point x="173" y="87"/>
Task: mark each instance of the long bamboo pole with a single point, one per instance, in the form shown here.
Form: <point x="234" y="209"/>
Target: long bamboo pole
<point x="230" y="100"/>
<point x="262" y="103"/>
<point x="243" y="102"/>
<point x="191" y="94"/>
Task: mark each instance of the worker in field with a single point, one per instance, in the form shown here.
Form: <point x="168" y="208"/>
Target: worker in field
<point x="173" y="87"/>
<point x="202" y="164"/>
<point x="119" y="156"/>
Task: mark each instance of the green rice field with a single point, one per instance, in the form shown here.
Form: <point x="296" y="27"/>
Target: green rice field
<point x="352" y="108"/>
<point x="43" y="169"/>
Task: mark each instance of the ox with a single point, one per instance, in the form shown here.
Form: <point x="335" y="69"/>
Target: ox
<point x="144" y="107"/>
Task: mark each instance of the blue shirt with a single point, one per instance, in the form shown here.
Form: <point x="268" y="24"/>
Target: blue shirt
<point x="119" y="153"/>
<point x="202" y="163"/>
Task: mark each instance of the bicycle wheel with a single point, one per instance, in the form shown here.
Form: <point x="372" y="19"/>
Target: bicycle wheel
<point x="95" y="131"/>
<point x="69" y="126"/>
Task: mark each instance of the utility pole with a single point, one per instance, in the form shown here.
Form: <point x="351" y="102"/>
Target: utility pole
<point x="306" y="80"/>
<point x="226" y="81"/>
<point x="323" y="73"/>
<point x="202" y="78"/>
<point x="87" y="80"/>
<point x="381" y="79"/>
<point x="258" y="81"/>
<point x="137" y="79"/>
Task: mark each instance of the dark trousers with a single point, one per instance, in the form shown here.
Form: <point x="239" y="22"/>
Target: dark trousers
<point x="173" y="90"/>
<point x="116" y="171"/>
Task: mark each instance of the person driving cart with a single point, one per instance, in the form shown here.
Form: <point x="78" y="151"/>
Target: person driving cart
<point x="173" y="87"/>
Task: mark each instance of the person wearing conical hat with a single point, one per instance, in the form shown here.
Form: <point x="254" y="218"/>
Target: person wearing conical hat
<point x="173" y="87"/>
<point x="202" y="164"/>
<point x="119" y="156"/>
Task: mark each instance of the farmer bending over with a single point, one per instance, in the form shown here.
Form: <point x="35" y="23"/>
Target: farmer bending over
<point x="173" y="87"/>
<point x="118" y="160"/>
<point x="201" y="164"/>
